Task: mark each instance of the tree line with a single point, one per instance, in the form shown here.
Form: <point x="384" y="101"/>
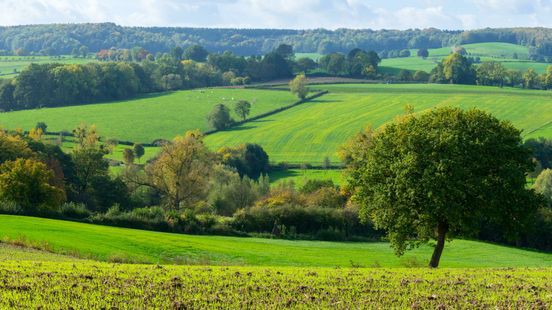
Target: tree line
<point x="127" y="73"/>
<point x="459" y="69"/>
<point x="58" y="39"/>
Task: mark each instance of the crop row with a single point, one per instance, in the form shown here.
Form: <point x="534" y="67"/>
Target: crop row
<point x="85" y="285"/>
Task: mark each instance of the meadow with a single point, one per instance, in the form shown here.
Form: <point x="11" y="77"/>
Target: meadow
<point x="138" y="246"/>
<point x="76" y="285"/>
<point x="10" y="66"/>
<point x="331" y="120"/>
<point x="492" y="51"/>
<point x="300" y="176"/>
<point x="149" y="117"/>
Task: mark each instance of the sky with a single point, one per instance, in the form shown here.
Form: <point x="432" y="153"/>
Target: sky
<point x="290" y="14"/>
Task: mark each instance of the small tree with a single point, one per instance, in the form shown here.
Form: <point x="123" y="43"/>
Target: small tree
<point x="139" y="151"/>
<point x="242" y="109"/>
<point x="439" y="174"/>
<point x="423" y="52"/>
<point x="298" y="86"/>
<point x="326" y="164"/>
<point x="128" y="156"/>
<point x="220" y="118"/>
<point x="42" y="125"/>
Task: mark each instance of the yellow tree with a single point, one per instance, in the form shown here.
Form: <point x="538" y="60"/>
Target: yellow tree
<point x="298" y="86"/>
<point x="28" y="183"/>
<point x="181" y="171"/>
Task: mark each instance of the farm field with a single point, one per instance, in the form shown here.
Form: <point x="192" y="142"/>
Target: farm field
<point x="300" y="176"/>
<point x="494" y="51"/>
<point x="149" y="117"/>
<point x="11" y="65"/>
<point x="60" y="285"/>
<point x="130" y="245"/>
<point x="331" y="120"/>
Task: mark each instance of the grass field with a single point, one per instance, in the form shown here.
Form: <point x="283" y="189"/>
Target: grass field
<point x="89" y="285"/>
<point x="11" y="65"/>
<point x="494" y="51"/>
<point x="119" y="244"/>
<point x="300" y="176"/>
<point x="328" y="122"/>
<point x="149" y="117"/>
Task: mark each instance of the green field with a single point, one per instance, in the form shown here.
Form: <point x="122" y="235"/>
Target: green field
<point x="300" y="176"/>
<point x="494" y="51"/>
<point x="89" y="285"/>
<point x="11" y="65"/>
<point x="313" y="56"/>
<point x="329" y="121"/>
<point x="119" y="244"/>
<point x="149" y="117"/>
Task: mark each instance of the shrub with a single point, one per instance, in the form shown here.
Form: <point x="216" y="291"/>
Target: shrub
<point x="75" y="210"/>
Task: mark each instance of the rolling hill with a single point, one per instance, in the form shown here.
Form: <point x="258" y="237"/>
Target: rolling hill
<point x="120" y="244"/>
<point x="149" y="117"/>
<point x="490" y="51"/>
<point x="326" y="123"/>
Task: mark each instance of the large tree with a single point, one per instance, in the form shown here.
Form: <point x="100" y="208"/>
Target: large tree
<point x="242" y="108"/>
<point x="181" y="171"/>
<point x="28" y="183"/>
<point x="457" y="69"/>
<point x="440" y="174"/>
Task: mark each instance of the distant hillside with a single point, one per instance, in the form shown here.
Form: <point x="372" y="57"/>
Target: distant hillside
<point x="56" y="39"/>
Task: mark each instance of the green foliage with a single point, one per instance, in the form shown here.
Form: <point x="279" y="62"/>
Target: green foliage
<point x="139" y="151"/>
<point x="458" y="70"/>
<point x="242" y="108"/>
<point x="27" y="183"/>
<point x="491" y="73"/>
<point x="248" y="159"/>
<point x="543" y="185"/>
<point x="196" y="53"/>
<point x="298" y="86"/>
<point x="220" y="118"/>
<point x="180" y="173"/>
<point x="438" y="174"/>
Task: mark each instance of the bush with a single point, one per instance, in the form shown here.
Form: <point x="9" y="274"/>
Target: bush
<point x="75" y="210"/>
<point x="291" y="219"/>
<point x="10" y="207"/>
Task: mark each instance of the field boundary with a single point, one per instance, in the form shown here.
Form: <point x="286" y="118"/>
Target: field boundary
<point x="269" y="113"/>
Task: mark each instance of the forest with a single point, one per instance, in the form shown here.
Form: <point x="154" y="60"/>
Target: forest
<point x="60" y="39"/>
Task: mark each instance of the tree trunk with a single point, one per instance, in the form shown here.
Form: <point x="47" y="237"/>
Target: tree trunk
<point x="442" y="230"/>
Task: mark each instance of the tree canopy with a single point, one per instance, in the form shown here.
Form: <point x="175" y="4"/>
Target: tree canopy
<point x="439" y="174"/>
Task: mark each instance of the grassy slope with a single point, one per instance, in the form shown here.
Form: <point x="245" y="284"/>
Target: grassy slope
<point x="310" y="132"/>
<point x="299" y="176"/>
<point x="10" y="63"/>
<point x="502" y="52"/>
<point x="150" y="117"/>
<point x="104" y="243"/>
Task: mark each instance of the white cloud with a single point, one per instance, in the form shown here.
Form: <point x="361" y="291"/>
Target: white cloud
<point x="449" y="14"/>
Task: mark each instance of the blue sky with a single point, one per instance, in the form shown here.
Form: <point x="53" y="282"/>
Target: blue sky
<point x="302" y="14"/>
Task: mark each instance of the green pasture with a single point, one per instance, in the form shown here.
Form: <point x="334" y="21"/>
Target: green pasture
<point x="10" y="66"/>
<point x="492" y="51"/>
<point x="300" y="176"/>
<point x="148" y="117"/>
<point x="316" y="129"/>
<point x="131" y="245"/>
